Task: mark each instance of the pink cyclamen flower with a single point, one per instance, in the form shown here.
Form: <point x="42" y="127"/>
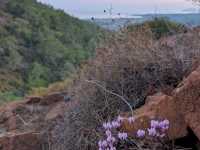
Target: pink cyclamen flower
<point x="131" y="119"/>
<point x="120" y="119"/>
<point x="100" y="143"/>
<point x="111" y="139"/>
<point x="154" y="123"/>
<point x="116" y="124"/>
<point x="107" y="125"/>
<point x="112" y="148"/>
<point x="162" y="135"/>
<point x="164" y="125"/>
<point x="152" y="132"/>
<point x="140" y="133"/>
<point x="108" y="133"/>
<point x="104" y="144"/>
<point x="122" y="135"/>
<point x="166" y="121"/>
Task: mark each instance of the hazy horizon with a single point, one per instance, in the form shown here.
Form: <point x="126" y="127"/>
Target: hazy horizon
<point x="95" y="8"/>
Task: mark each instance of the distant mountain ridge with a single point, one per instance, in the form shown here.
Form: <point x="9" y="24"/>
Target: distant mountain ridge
<point x="192" y="19"/>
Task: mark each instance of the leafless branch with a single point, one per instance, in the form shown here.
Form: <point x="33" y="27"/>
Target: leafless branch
<point x="112" y="93"/>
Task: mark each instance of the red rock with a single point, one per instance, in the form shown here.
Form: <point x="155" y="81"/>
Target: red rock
<point x="181" y="109"/>
<point x="53" y="98"/>
<point x="21" y="141"/>
<point x="57" y="111"/>
<point x="33" y="100"/>
<point x="21" y="120"/>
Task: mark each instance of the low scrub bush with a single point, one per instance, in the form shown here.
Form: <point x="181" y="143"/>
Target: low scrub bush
<point x="60" y="86"/>
<point x="8" y="97"/>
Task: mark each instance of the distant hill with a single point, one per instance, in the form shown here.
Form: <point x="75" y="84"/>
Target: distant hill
<point x="186" y="19"/>
<point x="115" y="24"/>
<point x="40" y="45"/>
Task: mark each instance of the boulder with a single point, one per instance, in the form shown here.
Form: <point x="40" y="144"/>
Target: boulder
<point x="20" y="141"/>
<point x="181" y="108"/>
<point x="23" y="123"/>
<point x="56" y="112"/>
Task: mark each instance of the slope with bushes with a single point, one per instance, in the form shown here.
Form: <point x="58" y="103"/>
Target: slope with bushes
<point x="40" y="45"/>
<point x="158" y="28"/>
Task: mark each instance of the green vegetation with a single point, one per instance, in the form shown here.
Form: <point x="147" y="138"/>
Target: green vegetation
<point x="155" y="29"/>
<point x="161" y="27"/>
<point x="8" y="96"/>
<point x="40" y="45"/>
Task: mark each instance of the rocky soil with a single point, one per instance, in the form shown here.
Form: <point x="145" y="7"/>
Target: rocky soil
<point x="23" y="124"/>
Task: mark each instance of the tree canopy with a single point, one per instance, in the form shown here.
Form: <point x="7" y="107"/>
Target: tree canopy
<point x="41" y="45"/>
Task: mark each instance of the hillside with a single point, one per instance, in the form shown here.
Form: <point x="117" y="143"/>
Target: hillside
<point x="39" y="45"/>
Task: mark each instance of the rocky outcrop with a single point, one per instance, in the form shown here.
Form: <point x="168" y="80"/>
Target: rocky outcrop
<point x="22" y="124"/>
<point x="181" y="108"/>
<point x="20" y="141"/>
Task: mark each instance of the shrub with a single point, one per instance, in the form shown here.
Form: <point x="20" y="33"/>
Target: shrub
<point x="161" y="26"/>
<point x="60" y="86"/>
<point x="38" y="76"/>
<point x="8" y="97"/>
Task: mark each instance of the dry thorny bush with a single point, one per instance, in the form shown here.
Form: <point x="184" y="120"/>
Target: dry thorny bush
<point x="132" y="64"/>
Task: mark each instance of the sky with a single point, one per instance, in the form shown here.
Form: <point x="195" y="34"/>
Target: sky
<point x="87" y="8"/>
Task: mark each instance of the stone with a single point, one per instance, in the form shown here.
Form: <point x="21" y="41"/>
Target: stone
<point x="20" y="141"/>
<point x="181" y="108"/>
